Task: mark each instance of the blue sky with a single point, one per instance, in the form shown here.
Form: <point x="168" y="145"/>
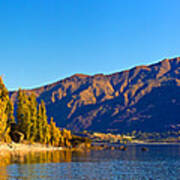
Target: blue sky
<point x="42" y="41"/>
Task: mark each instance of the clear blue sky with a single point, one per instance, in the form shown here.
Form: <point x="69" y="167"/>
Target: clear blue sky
<point x="42" y="41"/>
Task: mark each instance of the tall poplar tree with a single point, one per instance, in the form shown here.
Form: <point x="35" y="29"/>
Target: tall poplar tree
<point x="39" y="124"/>
<point x="23" y="114"/>
<point x="33" y="116"/>
<point x="54" y="133"/>
<point x="45" y="125"/>
<point x="10" y="113"/>
<point x="43" y="135"/>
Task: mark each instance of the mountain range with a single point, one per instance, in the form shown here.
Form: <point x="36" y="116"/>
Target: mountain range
<point x="144" y="98"/>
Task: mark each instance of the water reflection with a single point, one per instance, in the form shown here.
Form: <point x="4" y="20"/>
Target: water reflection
<point x="4" y="161"/>
<point x="30" y="158"/>
<point x="35" y="157"/>
<point x="158" y="161"/>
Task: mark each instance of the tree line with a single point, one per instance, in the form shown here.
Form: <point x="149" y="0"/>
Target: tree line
<point x="32" y="120"/>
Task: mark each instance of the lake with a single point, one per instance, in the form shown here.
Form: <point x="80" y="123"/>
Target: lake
<point x="160" y="162"/>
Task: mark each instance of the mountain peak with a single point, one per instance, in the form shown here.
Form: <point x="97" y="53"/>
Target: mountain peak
<point x="79" y="75"/>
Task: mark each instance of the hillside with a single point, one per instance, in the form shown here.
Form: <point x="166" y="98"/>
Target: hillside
<point x="145" y="98"/>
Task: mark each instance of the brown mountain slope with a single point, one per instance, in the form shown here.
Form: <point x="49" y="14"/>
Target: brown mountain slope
<point x="144" y="98"/>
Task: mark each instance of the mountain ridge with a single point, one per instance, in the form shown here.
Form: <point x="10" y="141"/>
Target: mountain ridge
<point x="115" y="101"/>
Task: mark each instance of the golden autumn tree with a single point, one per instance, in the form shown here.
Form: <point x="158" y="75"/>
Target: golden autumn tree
<point x="33" y="122"/>
<point x="10" y="113"/>
<point x="24" y="114"/>
<point x="43" y="133"/>
<point x="39" y="127"/>
<point x="33" y="116"/>
<point x="55" y="133"/>
<point x="65" y="138"/>
<point x="4" y="112"/>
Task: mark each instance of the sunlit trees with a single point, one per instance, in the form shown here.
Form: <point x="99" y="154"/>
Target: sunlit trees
<point x="10" y="113"/>
<point x="55" y="133"/>
<point x="46" y="133"/>
<point x="66" y="137"/>
<point x="42" y="124"/>
<point x="32" y="120"/>
<point x="5" y="112"/>
<point x="39" y="127"/>
<point x="33" y="116"/>
<point x="24" y="114"/>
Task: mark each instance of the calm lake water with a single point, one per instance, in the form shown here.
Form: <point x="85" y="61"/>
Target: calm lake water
<point x="160" y="162"/>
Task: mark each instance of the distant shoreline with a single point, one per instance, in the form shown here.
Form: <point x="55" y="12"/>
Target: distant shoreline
<point x="154" y="143"/>
<point x="14" y="148"/>
<point x="141" y="143"/>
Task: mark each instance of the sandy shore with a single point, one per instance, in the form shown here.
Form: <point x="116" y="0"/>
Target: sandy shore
<point x="14" y="152"/>
<point x="15" y="147"/>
